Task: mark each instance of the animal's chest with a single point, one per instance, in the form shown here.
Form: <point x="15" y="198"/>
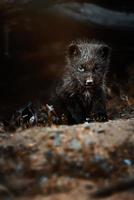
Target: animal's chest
<point x="78" y="108"/>
<point x="84" y="102"/>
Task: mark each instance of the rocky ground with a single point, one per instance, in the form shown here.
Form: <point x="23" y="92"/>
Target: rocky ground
<point x="87" y="161"/>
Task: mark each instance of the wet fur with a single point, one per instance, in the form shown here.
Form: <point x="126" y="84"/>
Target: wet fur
<point x="73" y="98"/>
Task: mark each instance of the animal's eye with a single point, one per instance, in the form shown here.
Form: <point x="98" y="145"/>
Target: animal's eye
<point x="81" y="68"/>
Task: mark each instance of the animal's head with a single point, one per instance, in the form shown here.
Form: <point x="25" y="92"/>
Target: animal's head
<point x="88" y="62"/>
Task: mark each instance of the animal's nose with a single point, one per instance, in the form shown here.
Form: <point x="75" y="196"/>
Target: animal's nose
<point x="89" y="82"/>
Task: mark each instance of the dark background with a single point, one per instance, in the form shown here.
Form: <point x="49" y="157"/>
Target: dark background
<point x="33" y="39"/>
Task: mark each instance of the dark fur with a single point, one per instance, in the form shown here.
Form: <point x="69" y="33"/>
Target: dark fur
<point x="76" y="100"/>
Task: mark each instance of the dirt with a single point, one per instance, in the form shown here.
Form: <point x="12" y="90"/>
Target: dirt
<point x="68" y="161"/>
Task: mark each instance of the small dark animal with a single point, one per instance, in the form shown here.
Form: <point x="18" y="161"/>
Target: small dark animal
<point x="80" y="94"/>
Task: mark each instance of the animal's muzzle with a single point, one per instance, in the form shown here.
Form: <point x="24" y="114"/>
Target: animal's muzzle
<point x="89" y="82"/>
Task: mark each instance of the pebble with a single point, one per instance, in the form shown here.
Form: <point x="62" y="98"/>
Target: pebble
<point x="88" y="141"/>
<point x="101" y="131"/>
<point x="86" y="125"/>
<point x="57" y="140"/>
<point x="75" y="145"/>
<point x="128" y="162"/>
<point x="42" y="182"/>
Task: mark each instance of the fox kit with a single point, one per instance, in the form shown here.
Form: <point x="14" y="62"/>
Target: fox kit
<point x="80" y="94"/>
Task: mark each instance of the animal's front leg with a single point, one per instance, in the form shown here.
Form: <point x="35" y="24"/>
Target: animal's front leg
<point x="99" y="112"/>
<point x="101" y="117"/>
<point x="75" y="113"/>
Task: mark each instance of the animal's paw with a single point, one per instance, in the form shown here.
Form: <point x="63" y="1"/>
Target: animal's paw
<point x="101" y="117"/>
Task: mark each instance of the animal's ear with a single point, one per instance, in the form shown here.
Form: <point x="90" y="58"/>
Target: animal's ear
<point x="73" y="50"/>
<point x="104" y="51"/>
